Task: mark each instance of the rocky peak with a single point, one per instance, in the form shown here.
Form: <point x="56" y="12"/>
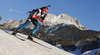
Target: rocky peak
<point x="50" y="20"/>
<point x="63" y="18"/>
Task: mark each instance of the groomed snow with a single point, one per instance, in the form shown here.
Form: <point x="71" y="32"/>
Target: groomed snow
<point x="10" y="45"/>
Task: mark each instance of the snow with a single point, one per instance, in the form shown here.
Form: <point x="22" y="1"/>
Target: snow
<point x="78" y="52"/>
<point x="59" y="46"/>
<point x="91" y="52"/>
<point x="10" y="45"/>
<point x="53" y="19"/>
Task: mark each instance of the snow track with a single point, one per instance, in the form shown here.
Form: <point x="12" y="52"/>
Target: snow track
<point x="10" y="45"/>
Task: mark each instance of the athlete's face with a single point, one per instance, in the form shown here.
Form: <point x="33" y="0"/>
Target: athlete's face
<point x="44" y="12"/>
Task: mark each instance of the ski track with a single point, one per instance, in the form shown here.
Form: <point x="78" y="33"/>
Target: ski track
<point x="10" y="45"/>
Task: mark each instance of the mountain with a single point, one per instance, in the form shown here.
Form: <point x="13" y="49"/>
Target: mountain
<point x="10" y="45"/>
<point x="51" y="20"/>
<point x="62" y="29"/>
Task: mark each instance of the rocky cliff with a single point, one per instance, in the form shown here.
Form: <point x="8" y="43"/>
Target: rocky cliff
<point x="50" y="20"/>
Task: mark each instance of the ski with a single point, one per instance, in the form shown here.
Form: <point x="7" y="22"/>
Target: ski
<point x="35" y="42"/>
<point x="15" y="36"/>
<point x="40" y="44"/>
<point x="23" y="39"/>
<point x="19" y="38"/>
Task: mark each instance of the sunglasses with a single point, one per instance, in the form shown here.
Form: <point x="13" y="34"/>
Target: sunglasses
<point x="46" y="11"/>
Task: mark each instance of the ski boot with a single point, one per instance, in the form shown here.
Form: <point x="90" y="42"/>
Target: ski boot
<point x="15" y="32"/>
<point x="30" y="37"/>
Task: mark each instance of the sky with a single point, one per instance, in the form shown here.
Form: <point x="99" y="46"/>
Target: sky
<point x="86" y="11"/>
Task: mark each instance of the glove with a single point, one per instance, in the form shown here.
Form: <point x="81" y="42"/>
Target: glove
<point x="42" y="20"/>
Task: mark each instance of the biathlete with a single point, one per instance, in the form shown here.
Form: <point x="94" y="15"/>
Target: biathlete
<point x="34" y="15"/>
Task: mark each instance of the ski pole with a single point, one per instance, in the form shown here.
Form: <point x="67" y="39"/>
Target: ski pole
<point x="24" y="12"/>
<point x="18" y="11"/>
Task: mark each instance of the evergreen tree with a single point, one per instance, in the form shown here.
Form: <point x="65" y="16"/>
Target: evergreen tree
<point x="0" y="17"/>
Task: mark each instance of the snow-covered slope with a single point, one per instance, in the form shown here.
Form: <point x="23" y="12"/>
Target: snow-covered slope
<point x="10" y="45"/>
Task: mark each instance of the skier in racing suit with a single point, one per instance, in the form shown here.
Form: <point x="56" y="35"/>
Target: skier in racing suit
<point x="34" y="15"/>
